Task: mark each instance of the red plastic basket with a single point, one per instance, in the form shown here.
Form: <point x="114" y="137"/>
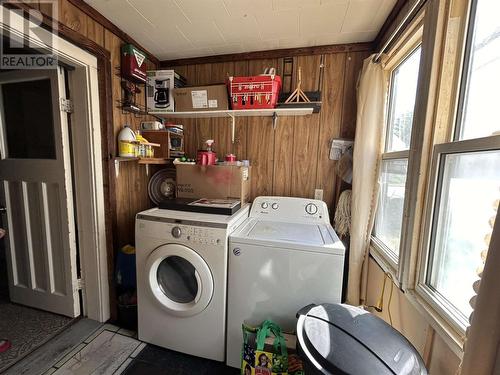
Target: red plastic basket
<point x="254" y="92"/>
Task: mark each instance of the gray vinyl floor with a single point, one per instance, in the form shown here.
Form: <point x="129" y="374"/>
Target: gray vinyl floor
<point x="86" y="347"/>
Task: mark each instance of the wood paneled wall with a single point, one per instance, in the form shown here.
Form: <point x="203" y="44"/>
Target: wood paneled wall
<point x="293" y="159"/>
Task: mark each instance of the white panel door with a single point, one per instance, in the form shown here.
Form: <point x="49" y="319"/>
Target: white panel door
<point x="36" y="191"/>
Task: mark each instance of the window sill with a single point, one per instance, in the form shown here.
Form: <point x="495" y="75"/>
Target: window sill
<point x="382" y="259"/>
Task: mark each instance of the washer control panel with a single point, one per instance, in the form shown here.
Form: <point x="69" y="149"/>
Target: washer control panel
<point x="311" y="208"/>
<point x="288" y="208"/>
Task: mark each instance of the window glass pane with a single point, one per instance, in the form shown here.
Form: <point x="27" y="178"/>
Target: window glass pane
<point x="481" y="115"/>
<point x="177" y="280"/>
<point x="466" y="202"/>
<point x="29" y="123"/>
<point x="391" y="200"/>
<point x="402" y="102"/>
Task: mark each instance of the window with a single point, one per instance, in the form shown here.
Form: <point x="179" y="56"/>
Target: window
<point x="479" y="112"/>
<point x="465" y="181"/>
<point x="24" y="104"/>
<point x="394" y="164"/>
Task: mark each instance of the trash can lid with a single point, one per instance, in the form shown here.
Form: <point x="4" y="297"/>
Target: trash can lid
<point x="338" y="338"/>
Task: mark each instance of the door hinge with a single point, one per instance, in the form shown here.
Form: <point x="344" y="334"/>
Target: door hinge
<point x="66" y="105"/>
<point x="80" y="284"/>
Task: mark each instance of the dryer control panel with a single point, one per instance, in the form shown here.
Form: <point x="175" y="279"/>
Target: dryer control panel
<point x="290" y="209"/>
<point x="180" y="233"/>
<point x="202" y="236"/>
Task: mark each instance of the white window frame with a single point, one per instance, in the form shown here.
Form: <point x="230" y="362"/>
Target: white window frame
<point x="423" y="161"/>
<point x="382" y="254"/>
<point x="433" y="297"/>
<point x="446" y="311"/>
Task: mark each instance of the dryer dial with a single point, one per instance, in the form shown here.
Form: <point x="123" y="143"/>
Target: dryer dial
<point x="176" y="232"/>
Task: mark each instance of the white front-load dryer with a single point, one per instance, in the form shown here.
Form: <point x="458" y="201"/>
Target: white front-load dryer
<point x="181" y="279"/>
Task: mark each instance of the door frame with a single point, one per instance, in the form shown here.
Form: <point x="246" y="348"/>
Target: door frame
<point x="87" y="162"/>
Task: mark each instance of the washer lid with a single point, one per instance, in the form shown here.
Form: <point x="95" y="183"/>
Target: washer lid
<point x="290" y="232"/>
<point x="288" y="235"/>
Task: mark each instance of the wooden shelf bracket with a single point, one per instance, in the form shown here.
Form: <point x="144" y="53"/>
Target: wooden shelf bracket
<point x="233" y="126"/>
<point x="117" y="168"/>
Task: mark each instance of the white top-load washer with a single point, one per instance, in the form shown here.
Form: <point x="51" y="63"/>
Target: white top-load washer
<point x="285" y="256"/>
<point x="181" y="262"/>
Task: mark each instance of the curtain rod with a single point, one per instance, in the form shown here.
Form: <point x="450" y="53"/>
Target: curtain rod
<point x="413" y="10"/>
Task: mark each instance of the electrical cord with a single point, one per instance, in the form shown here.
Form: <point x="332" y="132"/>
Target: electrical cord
<point x="389" y="276"/>
<point x="379" y="307"/>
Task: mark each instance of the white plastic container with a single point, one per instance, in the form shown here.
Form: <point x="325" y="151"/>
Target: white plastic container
<point x="126" y="149"/>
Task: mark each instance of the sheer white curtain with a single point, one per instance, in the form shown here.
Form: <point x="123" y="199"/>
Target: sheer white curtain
<point x="372" y="92"/>
<point x="482" y="349"/>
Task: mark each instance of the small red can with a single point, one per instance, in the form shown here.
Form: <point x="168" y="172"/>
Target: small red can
<point x="206" y="157"/>
<point x="230" y="157"/>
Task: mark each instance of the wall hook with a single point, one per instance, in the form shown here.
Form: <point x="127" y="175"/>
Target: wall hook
<point x="275" y="120"/>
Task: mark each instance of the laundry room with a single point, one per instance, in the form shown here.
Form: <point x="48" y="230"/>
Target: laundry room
<point x="259" y="188"/>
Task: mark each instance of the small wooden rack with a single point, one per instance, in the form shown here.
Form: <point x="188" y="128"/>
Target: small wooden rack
<point x="144" y="161"/>
<point x="156" y="161"/>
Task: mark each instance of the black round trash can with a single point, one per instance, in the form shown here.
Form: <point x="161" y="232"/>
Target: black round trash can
<point x="343" y="339"/>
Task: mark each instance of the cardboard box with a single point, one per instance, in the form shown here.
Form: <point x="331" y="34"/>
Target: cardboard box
<point x="159" y="90"/>
<point x="213" y="181"/>
<point x="201" y="98"/>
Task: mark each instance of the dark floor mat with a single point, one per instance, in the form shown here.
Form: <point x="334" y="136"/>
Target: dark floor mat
<point x="140" y="367"/>
<point x="156" y="360"/>
<point x="27" y="329"/>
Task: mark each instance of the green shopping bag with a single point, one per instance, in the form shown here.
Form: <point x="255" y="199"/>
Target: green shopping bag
<point x="259" y="358"/>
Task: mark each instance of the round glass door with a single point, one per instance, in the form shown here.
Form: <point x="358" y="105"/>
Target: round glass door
<point x="179" y="279"/>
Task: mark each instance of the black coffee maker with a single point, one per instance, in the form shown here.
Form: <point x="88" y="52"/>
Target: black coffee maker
<point x="161" y="96"/>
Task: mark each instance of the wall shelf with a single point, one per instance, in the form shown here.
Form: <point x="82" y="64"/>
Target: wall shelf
<point x="232" y="114"/>
<point x="157" y="161"/>
<point x="278" y="112"/>
<point x="119" y="159"/>
<point x="144" y="161"/>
